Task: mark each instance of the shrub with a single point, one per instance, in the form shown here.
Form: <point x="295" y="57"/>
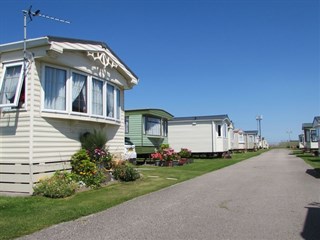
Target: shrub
<point x="86" y="170"/>
<point x="60" y="185"/>
<point x="91" y="141"/>
<point x="125" y="173"/>
<point x="101" y="157"/>
<point x="185" y="153"/>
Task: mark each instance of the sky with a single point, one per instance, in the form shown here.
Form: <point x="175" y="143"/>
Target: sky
<point x="243" y="58"/>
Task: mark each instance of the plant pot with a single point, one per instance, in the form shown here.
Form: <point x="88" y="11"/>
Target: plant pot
<point x="168" y="163"/>
<point x="175" y="163"/>
<point x="157" y="163"/>
<point x="183" y="161"/>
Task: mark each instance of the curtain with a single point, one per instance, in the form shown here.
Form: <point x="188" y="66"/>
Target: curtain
<point x="78" y="83"/>
<point x="10" y="84"/>
<point x="55" y="89"/>
<point x="110" y="101"/>
<point x="97" y="97"/>
<point x="153" y="126"/>
<point x="118" y="104"/>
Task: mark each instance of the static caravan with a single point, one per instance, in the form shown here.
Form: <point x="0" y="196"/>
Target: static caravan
<point x="147" y="129"/>
<point x="251" y="140"/>
<point x="239" y="144"/>
<point x="301" y="141"/>
<point x="310" y="137"/>
<point x="59" y="89"/>
<point x="201" y="134"/>
<point x="316" y="126"/>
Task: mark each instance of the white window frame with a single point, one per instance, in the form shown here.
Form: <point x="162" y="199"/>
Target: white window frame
<point x="19" y="85"/>
<point x="88" y="103"/>
<point x="43" y="90"/>
<point x="118" y="103"/>
<point x="116" y="99"/>
<point x="93" y="78"/>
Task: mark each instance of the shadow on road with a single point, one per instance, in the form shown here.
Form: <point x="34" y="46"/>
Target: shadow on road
<point x="314" y="172"/>
<point x="311" y="230"/>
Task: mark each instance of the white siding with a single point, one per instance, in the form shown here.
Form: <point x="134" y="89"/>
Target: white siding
<point x="197" y="138"/>
<point x="34" y="144"/>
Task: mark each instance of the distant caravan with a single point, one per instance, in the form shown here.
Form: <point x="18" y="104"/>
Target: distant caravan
<point x="204" y="135"/>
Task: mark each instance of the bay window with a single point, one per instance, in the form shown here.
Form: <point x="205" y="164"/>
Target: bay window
<point x="11" y="85"/>
<point x="154" y="126"/>
<point x="74" y="93"/>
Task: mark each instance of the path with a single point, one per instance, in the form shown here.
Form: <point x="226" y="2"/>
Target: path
<point x="266" y="197"/>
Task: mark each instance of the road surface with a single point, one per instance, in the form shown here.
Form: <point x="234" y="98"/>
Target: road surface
<point x="271" y="196"/>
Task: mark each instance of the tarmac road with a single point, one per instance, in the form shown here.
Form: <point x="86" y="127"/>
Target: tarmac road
<point x="271" y="196"/>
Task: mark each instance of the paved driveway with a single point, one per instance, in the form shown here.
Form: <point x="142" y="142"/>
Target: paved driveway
<point x="266" y="197"/>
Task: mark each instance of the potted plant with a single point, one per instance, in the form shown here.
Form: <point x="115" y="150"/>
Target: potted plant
<point x="169" y="155"/>
<point x="157" y="157"/>
<point x="185" y="155"/>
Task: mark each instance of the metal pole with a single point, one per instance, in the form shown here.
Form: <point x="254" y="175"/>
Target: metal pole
<point x="24" y="42"/>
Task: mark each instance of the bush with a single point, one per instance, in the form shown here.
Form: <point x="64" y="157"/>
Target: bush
<point x="60" y="185"/>
<point x="86" y="170"/>
<point x="91" y="141"/>
<point x="125" y="173"/>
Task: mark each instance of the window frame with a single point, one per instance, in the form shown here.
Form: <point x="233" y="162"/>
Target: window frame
<point x="15" y="103"/>
<point x="219" y="130"/>
<point x="88" y="97"/>
<point x="43" y="109"/>
<point x="89" y="85"/>
<point x="93" y="78"/>
<point x="126" y="124"/>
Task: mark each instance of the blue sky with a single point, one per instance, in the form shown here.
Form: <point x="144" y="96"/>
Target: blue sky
<point x="200" y="57"/>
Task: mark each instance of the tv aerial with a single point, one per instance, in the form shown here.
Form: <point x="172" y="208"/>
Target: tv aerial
<point x="30" y="14"/>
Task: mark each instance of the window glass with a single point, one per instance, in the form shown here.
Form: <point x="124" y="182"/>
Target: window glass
<point x="307" y="134"/>
<point x="219" y="130"/>
<point x="153" y="126"/>
<point x="11" y="86"/>
<point x="127" y="124"/>
<point x="97" y="97"/>
<point x="313" y="136"/>
<point x="79" y="93"/>
<point x="241" y="138"/>
<point x="55" y="89"/>
<point x="110" y="101"/>
<point x="165" y="128"/>
<point x="118" y="106"/>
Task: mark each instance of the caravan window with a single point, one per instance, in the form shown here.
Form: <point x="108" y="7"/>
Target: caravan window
<point x="11" y="85"/>
<point x="79" y="93"/>
<point x="153" y="126"/>
<point x="69" y="91"/>
<point x="219" y="130"/>
<point x="55" y="89"/>
<point x="313" y="136"/>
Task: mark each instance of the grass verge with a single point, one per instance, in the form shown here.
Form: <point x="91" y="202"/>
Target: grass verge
<point x="309" y="158"/>
<point x="24" y="215"/>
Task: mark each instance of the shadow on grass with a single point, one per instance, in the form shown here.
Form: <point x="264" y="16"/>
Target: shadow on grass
<point x="314" y="160"/>
<point x="314" y="173"/>
<point x="311" y="230"/>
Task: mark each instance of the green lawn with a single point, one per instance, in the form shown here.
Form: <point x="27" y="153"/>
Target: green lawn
<point x="313" y="161"/>
<point x="24" y="215"/>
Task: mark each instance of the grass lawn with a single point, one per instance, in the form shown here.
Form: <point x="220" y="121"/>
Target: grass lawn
<point x="24" y="215"/>
<point x="313" y="161"/>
